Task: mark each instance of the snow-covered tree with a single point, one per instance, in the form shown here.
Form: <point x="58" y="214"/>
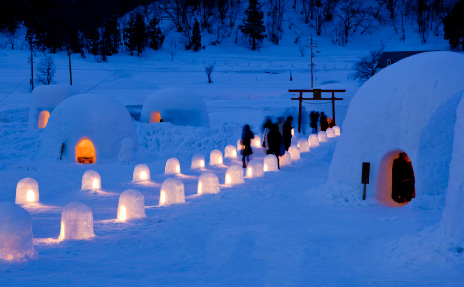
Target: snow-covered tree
<point x="454" y="25"/>
<point x="154" y="34"/>
<point x="196" y="36"/>
<point x="46" y="71"/>
<point x="253" y="27"/>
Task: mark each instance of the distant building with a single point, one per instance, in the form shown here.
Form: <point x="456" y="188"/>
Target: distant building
<point x="389" y="58"/>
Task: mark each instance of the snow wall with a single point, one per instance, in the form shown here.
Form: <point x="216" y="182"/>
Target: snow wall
<point x="177" y="106"/>
<point x="408" y="107"/>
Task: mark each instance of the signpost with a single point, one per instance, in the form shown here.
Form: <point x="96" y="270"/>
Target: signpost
<point x="365" y="176"/>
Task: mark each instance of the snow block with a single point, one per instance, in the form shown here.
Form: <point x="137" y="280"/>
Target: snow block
<point x="294" y="152"/>
<point x="322" y="136"/>
<point x="215" y="157"/>
<point x="91" y="180"/>
<point x="198" y="161"/>
<point x="208" y="183"/>
<point x="234" y="175"/>
<point x="313" y="141"/>
<point x="172" y="192"/>
<point x="230" y="152"/>
<point x="286" y="159"/>
<point x="270" y="163"/>
<point x="141" y="173"/>
<point x="131" y="205"/>
<point x="172" y="166"/>
<point x="303" y="144"/>
<point x="27" y="191"/>
<point x="255" y="169"/>
<point x="330" y="133"/>
<point x="76" y="222"/>
<point x="336" y="130"/>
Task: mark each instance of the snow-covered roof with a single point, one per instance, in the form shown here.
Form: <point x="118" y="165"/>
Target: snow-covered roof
<point x="407" y="107"/>
<point x="177" y="106"/>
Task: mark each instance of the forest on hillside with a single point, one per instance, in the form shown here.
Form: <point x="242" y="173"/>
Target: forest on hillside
<point x="106" y="27"/>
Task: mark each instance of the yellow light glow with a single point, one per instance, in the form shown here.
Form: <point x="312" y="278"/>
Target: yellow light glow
<point x="293" y="132"/>
<point x="61" y="231"/>
<point x="234" y="153"/>
<point x="122" y="213"/>
<point x="177" y="168"/>
<point x="30" y="196"/>
<point x="95" y="183"/>
<point x="199" y="187"/>
<point x="220" y="160"/>
<point x="162" y="197"/>
<point x="9" y="257"/>
<point x="265" y="167"/>
<point x="228" y="179"/>
<point x="250" y="172"/>
<point x="143" y="175"/>
<point x="257" y="143"/>
<point x="202" y="163"/>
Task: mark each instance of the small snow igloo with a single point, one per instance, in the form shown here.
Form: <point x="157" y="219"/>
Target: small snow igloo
<point x="270" y="163"/>
<point x="198" y="161"/>
<point x="141" y="173"/>
<point x="15" y="233"/>
<point x="91" y="180"/>
<point x="43" y="102"/>
<point x="27" y="191"/>
<point x="172" y="192"/>
<point x="254" y="169"/>
<point x="172" y="166"/>
<point x="208" y="183"/>
<point x="76" y="222"/>
<point x="91" y="127"/>
<point x="234" y="175"/>
<point x="405" y="131"/>
<point x="131" y="205"/>
<point x="177" y="106"/>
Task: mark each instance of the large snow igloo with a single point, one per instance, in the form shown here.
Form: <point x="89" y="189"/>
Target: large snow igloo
<point x="92" y="127"/>
<point x="44" y="99"/>
<point x="177" y="106"/>
<point x="403" y="122"/>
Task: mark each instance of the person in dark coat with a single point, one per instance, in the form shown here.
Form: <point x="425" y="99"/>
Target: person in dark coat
<point x="247" y="136"/>
<point x="324" y="122"/>
<point x="287" y="132"/>
<point x="403" y="181"/>
<point x="265" y="129"/>
<point x="274" y="140"/>
<point x="314" y="118"/>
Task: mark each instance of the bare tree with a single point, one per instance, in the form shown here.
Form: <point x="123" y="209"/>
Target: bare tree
<point x="12" y="39"/>
<point x="367" y="65"/>
<point x="209" y="70"/>
<point x="46" y="71"/>
<point x="181" y="14"/>
<point x="302" y="48"/>
<point x="274" y="20"/>
<point x="353" y="14"/>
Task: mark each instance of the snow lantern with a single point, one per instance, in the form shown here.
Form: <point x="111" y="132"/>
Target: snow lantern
<point x="286" y="159"/>
<point x="172" y="192"/>
<point x="313" y="140"/>
<point x="141" y="173"/>
<point x="92" y="128"/>
<point x="270" y="163"/>
<point x="336" y="130"/>
<point x="208" y="183"/>
<point x="198" y="161"/>
<point x="172" y="166"/>
<point x="176" y="106"/>
<point x="330" y="133"/>
<point x="15" y="233"/>
<point x="215" y="157"/>
<point x="303" y="145"/>
<point x="27" y="191"/>
<point x="230" y="151"/>
<point x="256" y="141"/>
<point x="322" y="136"/>
<point x="131" y="205"/>
<point x="254" y="169"/>
<point x="234" y="175"/>
<point x="239" y="145"/>
<point x="294" y="152"/>
<point x="76" y="222"/>
<point x="91" y="180"/>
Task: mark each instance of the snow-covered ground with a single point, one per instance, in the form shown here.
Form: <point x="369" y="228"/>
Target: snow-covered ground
<point x="278" y="230"/>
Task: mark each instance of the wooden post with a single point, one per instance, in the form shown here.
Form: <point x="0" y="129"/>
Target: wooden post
<point x="70" y="73"/>
<point x="299" y="111"/>
<point x="333" y="108"/>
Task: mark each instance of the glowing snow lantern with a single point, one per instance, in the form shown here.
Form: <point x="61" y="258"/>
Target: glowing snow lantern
<point x="336" y="130"/>
<point x="234" y="175"/>
<point x="141" y="173"/>
<point x="313" y="140"/>
<point x="286" y="159"/>
<point x="131" y="205"/>
<point x="293" y="132"/>
<point x="255" y="169"/>
<point x="27" y="191"/>
<point x="172" y="192"/>
<point x="91" y="180"/>
<point x="270" y="163"/>
<point x="239" y="145"/>
<point x="330" y="133"/>
<point x="198" y="161"/>
<point x="76" y="222"/>
<point x="322" y="135"/>
<point x="15" y="233"/>
<point x="303" y="145"/>
<point x="172" y="166"/>
<point x="208" y="183"/>
<point x="230" y="151"/>
<point x="294" y="153"/>
<point x="215" y="157"/>
<point x="256" y="142"/>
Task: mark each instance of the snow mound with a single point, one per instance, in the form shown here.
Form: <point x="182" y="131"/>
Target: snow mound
<point x="208" y="183"/>
<point x="131" y="205"/>
<point x="76" y="222"/>
<point x="27" y="191"/>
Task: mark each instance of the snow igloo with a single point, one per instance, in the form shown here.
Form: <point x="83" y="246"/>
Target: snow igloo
<point x="141" y="173"/>
<point x="172" y="192"/>
<point x="234" y="175"/>
<point x="15" y="233"/>
<point x="254" y="169"/>
<point x="177" y="106"/>
<point x="27" y="191"/>
<point x="313" y="141"/>
<point x="330" y="133"/>
<point x="294" y="152"/>
<point x="256" y="142"/>
<point x="303" y="145"/>
<point x="131" y="205"/>
<point x="270" y="163"/>
<point x="91" y="127"/>
<point x="208" y="183"/>
<point x="198" y="161"/>
<point x="44" y="99"/>
<point x="285" y="159"/>
<point x="230" y="152"/>
<point x="407" y="132"/>
<point x="336" y="130"/>
<point x="215" y="157"/>
<point x="322" y="137"/>
<point x="91" y="180"/>
<point x="172" y="166"/>
<point x="76" y="222"/>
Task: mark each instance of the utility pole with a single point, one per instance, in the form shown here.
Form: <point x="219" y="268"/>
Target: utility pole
<point x="70" y="73"/>
<point x="32" y="63"/>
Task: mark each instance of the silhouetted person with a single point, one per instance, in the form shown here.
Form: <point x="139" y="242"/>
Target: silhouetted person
<point x="280" y="124"/>
<point x="324" y="123"/>
<point x="247" y="136"/>
<point x="314" y="118"/>
<point x="265" y="129"/>
<point x="403" y="181"/>
<point x="287" y="132"/>
<point x="274" y="141"/>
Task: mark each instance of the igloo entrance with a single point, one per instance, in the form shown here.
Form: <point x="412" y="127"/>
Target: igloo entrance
<point x="85" y="151"/>
<point x="396" y="181"/>
<point x="43" y="119"/>
<point x="155" y="117"/>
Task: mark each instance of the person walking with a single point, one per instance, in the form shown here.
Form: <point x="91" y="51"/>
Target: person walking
<point x="274" y="142"/>
<point x="287" y="132"/>
<point x="265" y="129"/>
<point x="324" y="123"/>
<point x="247" y="136"/>
<point x="314" y="118"/>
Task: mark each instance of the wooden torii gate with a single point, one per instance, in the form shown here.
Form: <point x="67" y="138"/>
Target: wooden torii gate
<point x="316" y="97"/>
